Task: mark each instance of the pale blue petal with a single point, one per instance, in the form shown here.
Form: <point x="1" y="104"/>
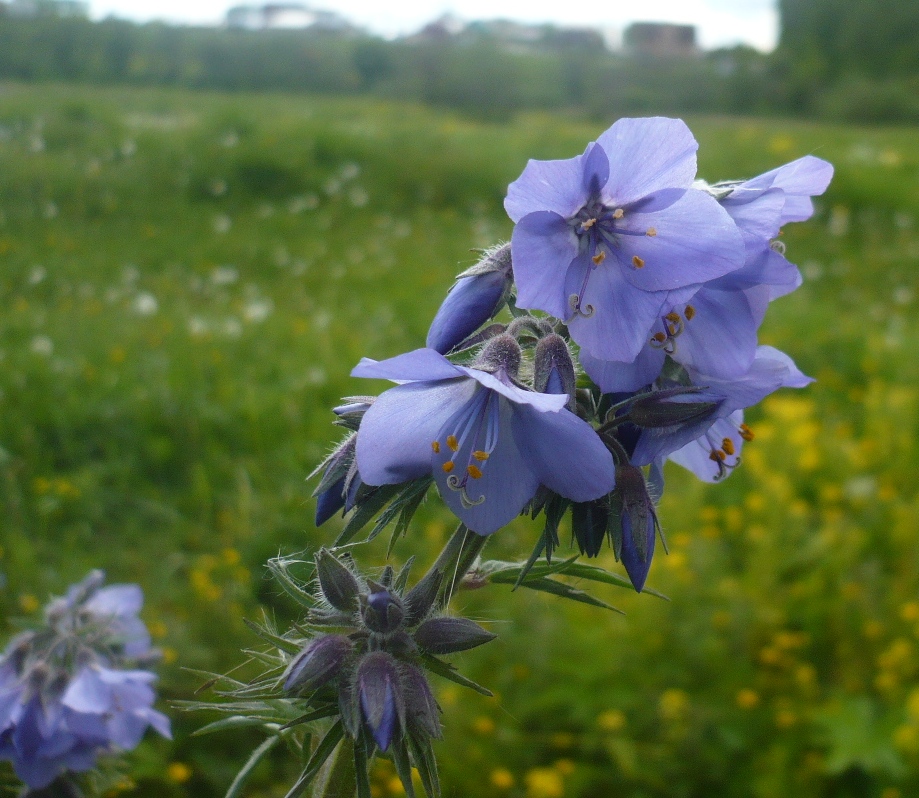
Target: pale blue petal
<point x="613" y="376"/>
<point x="696" y="241"/>
<point x="543" y="245"/>
<point x="622" y="315"/>
<point x="695" y="455"/>
<point x="565" y="453"/>
<point x="419" y="364"/>
<point x="646" y="155"/>
<point x="547" y="186"/>
<point x="544" y="402"/>
<point x="507" y="483"/>
<point x="394" y="441"/>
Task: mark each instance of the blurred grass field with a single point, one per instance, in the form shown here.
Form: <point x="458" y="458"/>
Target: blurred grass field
<point x="186" y="282"/>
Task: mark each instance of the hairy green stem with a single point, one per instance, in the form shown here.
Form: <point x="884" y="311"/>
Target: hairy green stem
<point x="457" y="557"/>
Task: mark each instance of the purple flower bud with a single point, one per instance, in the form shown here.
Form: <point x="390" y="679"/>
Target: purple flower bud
<point x="420" y="599"/>
<point x="446" y="635"/>
<point x="638" y="524"/>
<point x="330" y="502"/>
<point x="319" y="662"/>
<point x="475" y="298"/>
<point x="673" y="406"/>
<point x="339" y="586"/>
<point x="500" y="355"/>
<point x="380" y="695"/>
<point x="421" y="709"/>
<point x="382" y="609"/>
<point x="554" y="369"/>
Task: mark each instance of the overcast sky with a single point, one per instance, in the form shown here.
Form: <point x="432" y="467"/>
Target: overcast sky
<point x="719" y="22"/>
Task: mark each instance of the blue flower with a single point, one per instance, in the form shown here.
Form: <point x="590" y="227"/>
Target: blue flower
<point x="67" y="692"/>
<point x="488" y="442"/>
<point x="607" y="240"/>
<point x="719" y="436"/>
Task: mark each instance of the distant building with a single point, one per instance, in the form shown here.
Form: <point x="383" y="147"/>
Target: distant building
<point x="507" y="34"/>
<point x="29" y="9"/>
<point x="660" y="40"/>
<point x="285" y="16"/>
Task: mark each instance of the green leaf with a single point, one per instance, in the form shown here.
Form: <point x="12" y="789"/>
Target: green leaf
<point x="447" y="671"/>
<point x="370" y="505"/>
<point x="320" y="755"/>
<point x="423" y="755"/>
<point x="317" y="714"/>
<point x="257" y="755"/>
<point x="403" y="766"/>
<point x="234" y="722"/>
<point x="270" y="637"/>
<point x="401" y="580"/>
<point x="361" y="770"/>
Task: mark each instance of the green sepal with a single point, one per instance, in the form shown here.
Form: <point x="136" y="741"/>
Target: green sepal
<point x="448" y="671"/>
<point x="400" y="759"/>
<point x="320" y="755"/>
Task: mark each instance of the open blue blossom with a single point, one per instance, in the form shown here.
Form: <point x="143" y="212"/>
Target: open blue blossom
<point x="488" y="442"/>
<point x="607" y="240"/>
<point x="67" y="691"/>
<point x="720" y="434"/>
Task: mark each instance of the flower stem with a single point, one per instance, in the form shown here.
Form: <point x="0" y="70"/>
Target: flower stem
<point x="456" y="559"/>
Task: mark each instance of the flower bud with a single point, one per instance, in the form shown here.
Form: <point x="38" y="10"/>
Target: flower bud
<point x="446" y="635"/>
<point x="637" y="528"/>
<point x="330" y="502"/>
<point x="319" y="662"/>
<point x="420" y="599"/>
<point x="476" y="297"/>
<point x="421" y="709"/>
<point x="382" y="609"/>
<point x="380" y="696"/>
<point x="553" y="368"/>
<point x="339" y="586"/>
<point x="501" y="353"/>
<point x="672" y="407"/>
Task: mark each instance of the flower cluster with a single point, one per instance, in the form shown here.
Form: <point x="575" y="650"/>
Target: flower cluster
<point x="71" y="689"/>
<point x="362" y="666"/>
<point x="636" y="293"/>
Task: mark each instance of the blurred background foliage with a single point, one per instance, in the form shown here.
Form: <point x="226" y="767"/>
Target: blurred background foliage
<point x="189" y="276"/>
<point x="843" y="60"/>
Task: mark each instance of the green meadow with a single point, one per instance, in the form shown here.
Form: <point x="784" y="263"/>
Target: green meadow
<point x="186" y="281"/>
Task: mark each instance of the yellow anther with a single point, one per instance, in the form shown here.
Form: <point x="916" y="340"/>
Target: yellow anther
<point x="672" y="317"/>
<point x="474" y="471"/>
<point x="436" y="447"/>
<point x="717" y="455"/>
<point x="746" y="433"/>
<point x="599" y="257"/>
<point x="689" y="312"/>
<point x="452" y="442"/>
<point x="637" y="262"/>
<point x="659" y="337"/>
<point x="447" y="467"/>
<point x="728" y="445"/>
<point x="671" y="329"/>
<point x="651" y="232"/>
<point x="588" y="224"/>
<point x="618" y="213"/>
<point x="480" y="456"/>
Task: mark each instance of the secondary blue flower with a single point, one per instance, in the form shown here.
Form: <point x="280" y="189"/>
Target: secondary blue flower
<point x="606" y="240"/>
<point x="67" y="692"/>
<point x="722" y="433"/>
<point x="488" y="442"/>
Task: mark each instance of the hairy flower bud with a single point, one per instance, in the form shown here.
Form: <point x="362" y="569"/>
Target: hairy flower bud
<point x="501" y="353"/>
<point x="447" y="635"/>
<point x="477" y="296"/>
<point x="380" y="696"/>
<point x="553" y="368"/>
<point x="339" y="586"/>
<point x="420" y="599"/>
<point x="382" y="609"/>
<point x="672" y="406"/>
<point x="637" y="524"/>
<point x="421" y="709"/>
<point x="319" y="662"/>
